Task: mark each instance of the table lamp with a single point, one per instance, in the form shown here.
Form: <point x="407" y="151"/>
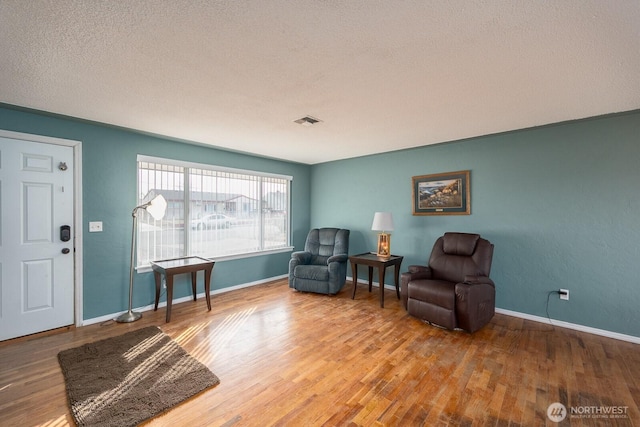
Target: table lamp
<point x="383" y="222"/>
<point x="156" y="209"/>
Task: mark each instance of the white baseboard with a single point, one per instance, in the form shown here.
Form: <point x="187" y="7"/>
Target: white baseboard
<point x="149" y="307"/>
<point x="574" y="326"/>
<point x="559" y="323"/>
<point x="366" y="282"/>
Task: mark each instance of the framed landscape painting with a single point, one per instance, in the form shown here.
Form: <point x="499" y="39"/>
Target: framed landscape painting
<point x="442" y="194"/>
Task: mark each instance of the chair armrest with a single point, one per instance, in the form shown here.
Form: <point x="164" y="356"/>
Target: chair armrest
<point x="476" y="280"/>
<point x="417" y="272"/>
<point x="337" y="258"/>
<point x="475" y="303"/>
<point x="297" y="258"/>
<point x="301" y="257"/>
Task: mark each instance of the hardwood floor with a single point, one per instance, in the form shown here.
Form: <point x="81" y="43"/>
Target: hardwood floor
<point x="294" y="359"/>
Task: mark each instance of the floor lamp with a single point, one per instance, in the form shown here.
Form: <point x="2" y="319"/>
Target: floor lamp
<point x="156" y="209"/>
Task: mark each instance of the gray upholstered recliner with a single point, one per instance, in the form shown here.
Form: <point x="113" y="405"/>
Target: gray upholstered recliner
<point x="322" y="266"/>
<point x="454" y="290"/>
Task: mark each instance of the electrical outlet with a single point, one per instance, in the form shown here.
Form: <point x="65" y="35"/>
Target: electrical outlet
<point x="564" y="294"/>
<point x="95" y="226"/>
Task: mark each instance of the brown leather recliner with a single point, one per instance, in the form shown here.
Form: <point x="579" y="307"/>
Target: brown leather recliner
<point x="454" y="290"/>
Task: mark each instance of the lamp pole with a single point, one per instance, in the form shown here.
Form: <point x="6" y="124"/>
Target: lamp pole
<point x="130" y="315"/>
<point x="156" y="208"/>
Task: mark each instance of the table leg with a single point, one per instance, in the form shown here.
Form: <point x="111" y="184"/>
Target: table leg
<point x="207" y="286"/>
<point x="193" y="283"/>
<point x="370" y="278"/>
<point x="158" y="285"/>
<point x="381" y="280"/>
<point x="398" y="280"/>
<point x="354" y="272"/>
<point x="169" y="277"/>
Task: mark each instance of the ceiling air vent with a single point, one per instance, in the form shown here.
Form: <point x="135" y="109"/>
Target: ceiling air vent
<point x="307" y="121"/>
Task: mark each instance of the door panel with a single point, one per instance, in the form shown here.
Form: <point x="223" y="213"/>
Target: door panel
<point x="37" y="163"/>
<point x="37" y="213"/>
<point x="37" y="285"/>
<point x="36" y="199"/>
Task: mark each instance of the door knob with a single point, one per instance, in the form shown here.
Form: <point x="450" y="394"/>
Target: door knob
<point x="66" y="251"/>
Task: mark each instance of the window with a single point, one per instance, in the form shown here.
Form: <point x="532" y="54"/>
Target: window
<point x="211" y="211"/>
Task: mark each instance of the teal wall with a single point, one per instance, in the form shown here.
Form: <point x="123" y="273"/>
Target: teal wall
<point x="109" y="195"/>
<point x="561" y="204"/>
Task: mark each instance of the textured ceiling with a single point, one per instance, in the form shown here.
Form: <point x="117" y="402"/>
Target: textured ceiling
<point x="381" y="75"/>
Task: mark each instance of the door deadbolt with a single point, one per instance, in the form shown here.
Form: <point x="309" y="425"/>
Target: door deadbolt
<point x="66" y="251"/>
<point x="65" y="233"/>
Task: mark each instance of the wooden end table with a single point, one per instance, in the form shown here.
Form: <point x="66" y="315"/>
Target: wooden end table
<point x="171" y="267"/>
<point x="372" y="260"/>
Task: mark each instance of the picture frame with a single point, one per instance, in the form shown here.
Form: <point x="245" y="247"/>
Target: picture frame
<point x="442" y="194"/>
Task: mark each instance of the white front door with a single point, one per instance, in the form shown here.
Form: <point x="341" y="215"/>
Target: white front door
<point x="36" y="254"/>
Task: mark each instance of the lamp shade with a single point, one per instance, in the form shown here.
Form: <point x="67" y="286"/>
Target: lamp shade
<point x="157" y="207"/>
<point x="382" y="221"/>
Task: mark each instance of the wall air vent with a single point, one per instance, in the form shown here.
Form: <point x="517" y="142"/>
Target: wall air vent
<point x="307" y="121"/>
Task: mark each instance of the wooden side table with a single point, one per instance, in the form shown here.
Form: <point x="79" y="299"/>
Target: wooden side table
<point x="171" y="267"/>
<point x="372" y="260"/>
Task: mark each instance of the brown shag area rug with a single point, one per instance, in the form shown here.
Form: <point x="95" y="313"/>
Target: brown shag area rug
<point x="124" y="380"/>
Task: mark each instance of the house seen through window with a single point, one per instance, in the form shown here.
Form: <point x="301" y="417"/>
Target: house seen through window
<point x="211" y="212"/>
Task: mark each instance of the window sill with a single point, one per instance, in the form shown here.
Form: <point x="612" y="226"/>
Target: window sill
<point x="147" y="268"/>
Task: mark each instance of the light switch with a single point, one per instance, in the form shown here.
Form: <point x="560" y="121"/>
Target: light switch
<point x="95" y="226"/>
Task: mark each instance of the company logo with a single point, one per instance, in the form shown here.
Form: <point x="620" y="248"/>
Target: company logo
<point x="556" y="412"/>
